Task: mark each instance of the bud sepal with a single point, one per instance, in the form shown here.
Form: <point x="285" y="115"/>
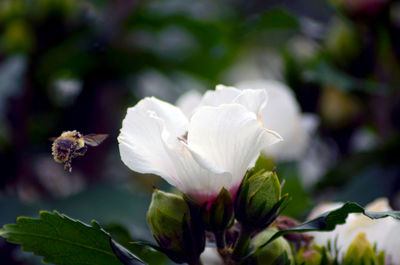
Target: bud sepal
<point x="218" y="215"/>
<point x="171" y="223"/>
<point x="277" y="252"/>
<point x="259" y="200"/>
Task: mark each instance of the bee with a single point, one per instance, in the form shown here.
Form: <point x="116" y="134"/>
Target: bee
<point x="71" y="144"/>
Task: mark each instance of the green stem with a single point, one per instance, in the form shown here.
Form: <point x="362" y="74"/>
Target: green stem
<point x="220" y="239"/>
<point x="242" y="244"/>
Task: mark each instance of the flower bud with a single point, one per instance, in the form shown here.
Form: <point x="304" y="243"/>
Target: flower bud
<point x="257" y="200"/>
<point x="218" y="215"/>
<point x="169" y="219"/>
<point x="309" y="256"/>
<point x="361" y="251"/>
<point x="274" y="251"/>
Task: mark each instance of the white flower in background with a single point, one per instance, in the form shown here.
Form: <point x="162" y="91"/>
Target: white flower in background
<point x="200" y="155"/>
<point x="321" y="154"/>
<point x="385" y="233"/>
<point x="283" y="115"/>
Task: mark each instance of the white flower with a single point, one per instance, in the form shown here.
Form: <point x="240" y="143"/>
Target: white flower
<point x="283" y="115"/>
<point x="385" y="233"/>
<point x="200" y="155"/>
<point x="210" y="256"/>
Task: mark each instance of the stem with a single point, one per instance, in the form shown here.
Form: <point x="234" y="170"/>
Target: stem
<point x="242" y="244"/>
<point x="220" y="239"/>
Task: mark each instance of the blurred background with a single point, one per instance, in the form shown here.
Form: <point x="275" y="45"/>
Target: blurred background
<point x="78" y="65"/>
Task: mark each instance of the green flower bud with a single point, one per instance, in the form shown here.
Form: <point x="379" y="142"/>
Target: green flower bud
<point x="361" y="251"/>
<point x="170" y="221"/>
<point x="256" y="202"/>
<point x="273" y="252"/>
<point x="218" y="215"/>
<point x="309" y="256"/>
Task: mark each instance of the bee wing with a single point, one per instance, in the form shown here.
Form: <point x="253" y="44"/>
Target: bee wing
<point x="94" y="139"/>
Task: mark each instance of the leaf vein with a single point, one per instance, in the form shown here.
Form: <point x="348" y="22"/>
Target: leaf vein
<point x="64" y="241"/>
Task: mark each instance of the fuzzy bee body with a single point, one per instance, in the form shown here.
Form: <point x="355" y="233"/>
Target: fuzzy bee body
<point x="71" y="144"/>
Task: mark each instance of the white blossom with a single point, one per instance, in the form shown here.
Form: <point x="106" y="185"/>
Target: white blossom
<point x="283" y="115"/>
<point x="385" y="233"/>
<point x="201" y="154"/>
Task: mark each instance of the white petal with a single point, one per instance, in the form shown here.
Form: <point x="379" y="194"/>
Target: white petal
<point x="174" y="120"/>
<point x="391" y="244"/>
<point x="299" y="141"/>
<point x="221" y="95"/>
<point x="282" y="114"/>
<point x="228" y="137"/>
<point x="294" y="144"/>
<point x="144" y="130"/>
<point x="189" y="101"/>
<point x="309" y="122"/>
<point x="201" y="182"/>
<point x="255" y="100"/>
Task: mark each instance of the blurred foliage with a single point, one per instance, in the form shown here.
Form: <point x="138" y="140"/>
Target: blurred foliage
<point x="68" y="64"/>
<point x="300" y="199"/>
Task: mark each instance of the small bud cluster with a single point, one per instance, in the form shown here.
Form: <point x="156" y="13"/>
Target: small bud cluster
<point x="237" y="226"/>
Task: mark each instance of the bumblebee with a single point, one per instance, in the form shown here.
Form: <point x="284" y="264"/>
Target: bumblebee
<point x="71" y="144"/>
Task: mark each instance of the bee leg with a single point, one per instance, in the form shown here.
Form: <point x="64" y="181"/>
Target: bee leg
<point x="67" y="164"/>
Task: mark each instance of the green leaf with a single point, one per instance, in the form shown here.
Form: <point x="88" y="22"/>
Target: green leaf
<point x="126" y="257"/>
<point x="329" y="220"/>
<point x="147" y="253"/>
<point x="61" y="240"/>
<point x="264" y="162"/>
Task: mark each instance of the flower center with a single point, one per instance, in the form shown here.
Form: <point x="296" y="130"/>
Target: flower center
<point x="184" y="137"/>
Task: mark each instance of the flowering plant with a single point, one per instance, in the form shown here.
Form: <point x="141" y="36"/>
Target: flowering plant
<point x="201" y="155"/>
<point x="226" y="201"/>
